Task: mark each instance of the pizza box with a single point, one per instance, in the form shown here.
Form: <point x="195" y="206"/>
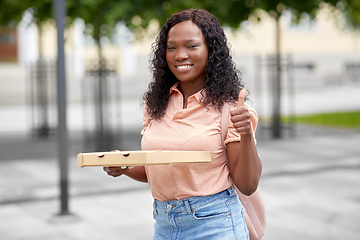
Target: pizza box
<point x="141" y="158"/>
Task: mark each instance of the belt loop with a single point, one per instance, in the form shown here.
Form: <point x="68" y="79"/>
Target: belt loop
<point x="231" y="190"/>
<point x="155" y="206"/>
<point x="187" y="206"/>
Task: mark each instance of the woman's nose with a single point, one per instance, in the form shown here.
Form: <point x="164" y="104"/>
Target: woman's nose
<point x="181" y="55"/>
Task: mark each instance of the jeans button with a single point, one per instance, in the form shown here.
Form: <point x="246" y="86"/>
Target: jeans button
<point x="168" y="206"/>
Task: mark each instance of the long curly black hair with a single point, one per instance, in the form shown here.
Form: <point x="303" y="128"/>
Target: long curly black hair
<point x="223" y="80"/>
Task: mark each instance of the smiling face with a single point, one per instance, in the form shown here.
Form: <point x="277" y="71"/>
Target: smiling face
<point x="187" y="53"/>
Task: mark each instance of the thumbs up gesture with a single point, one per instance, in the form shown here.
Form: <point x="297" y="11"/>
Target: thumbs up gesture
<point x="240" y="116"/>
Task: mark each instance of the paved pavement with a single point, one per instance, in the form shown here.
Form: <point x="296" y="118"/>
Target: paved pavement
<point x="310" y="185"/>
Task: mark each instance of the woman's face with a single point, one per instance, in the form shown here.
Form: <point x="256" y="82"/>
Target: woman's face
<point x="187" y="52"/>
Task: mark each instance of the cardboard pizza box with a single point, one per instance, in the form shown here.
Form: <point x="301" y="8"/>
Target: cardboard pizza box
<point x="141" y="158"/>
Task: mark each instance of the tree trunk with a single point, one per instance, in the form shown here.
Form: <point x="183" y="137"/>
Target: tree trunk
<point x="99" y="105"/>
<point x="43" y="130"/>
<point x="276" y="89"/>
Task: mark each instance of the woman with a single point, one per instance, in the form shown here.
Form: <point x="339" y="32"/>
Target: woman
<point x="193" y="76"/>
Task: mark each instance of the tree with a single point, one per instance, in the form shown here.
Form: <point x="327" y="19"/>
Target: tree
<point x="101" y="16"/>
<point x="350" y="10"/>
<point x="275" y="8"/>
<point x="11" y="12"/>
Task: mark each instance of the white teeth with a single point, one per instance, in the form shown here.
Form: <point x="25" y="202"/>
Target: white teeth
<point x="184" y="67"/>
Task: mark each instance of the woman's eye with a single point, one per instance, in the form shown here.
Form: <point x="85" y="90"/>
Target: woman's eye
<point x="171" y="48"/>
<point x="193" y="46"/>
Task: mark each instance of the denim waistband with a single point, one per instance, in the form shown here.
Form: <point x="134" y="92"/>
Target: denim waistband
<point x="187" y="204"/>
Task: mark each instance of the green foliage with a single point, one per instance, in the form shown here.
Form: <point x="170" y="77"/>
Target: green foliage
<point x="10" y="12"/>
<point x="102" y="15"/>
<point x="350" y="10"/>
<point x="228" y="12"/>
<point x="338" y="119"/>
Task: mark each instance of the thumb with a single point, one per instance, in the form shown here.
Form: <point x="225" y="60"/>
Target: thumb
<point x="241" y="99"/>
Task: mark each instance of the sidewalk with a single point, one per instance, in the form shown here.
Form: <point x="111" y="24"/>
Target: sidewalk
<point x="310" y="185"/>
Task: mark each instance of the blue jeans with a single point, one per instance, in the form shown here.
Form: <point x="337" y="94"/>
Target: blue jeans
<point x="217" y="216"/>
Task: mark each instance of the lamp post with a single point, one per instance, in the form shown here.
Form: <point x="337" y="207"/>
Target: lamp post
<point x="59" y="8"/>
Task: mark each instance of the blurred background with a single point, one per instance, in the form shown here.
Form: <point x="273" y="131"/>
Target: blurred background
<point x="300" y="60"/>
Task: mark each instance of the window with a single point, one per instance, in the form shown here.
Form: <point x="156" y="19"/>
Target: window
<point x="6" y="38"/>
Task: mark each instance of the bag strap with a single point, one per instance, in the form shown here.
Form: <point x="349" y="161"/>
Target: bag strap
<point x="243" y="198"/>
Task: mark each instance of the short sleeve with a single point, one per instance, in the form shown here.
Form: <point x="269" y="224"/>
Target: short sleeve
<point x="146" y="120"/>
<point x="232" y="135"/>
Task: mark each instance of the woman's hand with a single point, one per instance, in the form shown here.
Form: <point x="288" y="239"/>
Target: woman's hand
<point x="116" y="171"/>
<point x="241" y="120"/>
<point x="240" y="116"/>
<point x="135" y="172"/>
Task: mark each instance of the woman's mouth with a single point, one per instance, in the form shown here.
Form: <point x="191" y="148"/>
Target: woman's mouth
<point x="183" y="67"/>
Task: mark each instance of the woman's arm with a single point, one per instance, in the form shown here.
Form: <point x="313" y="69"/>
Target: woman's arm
<point x="244" y="161"/>
<point x="137" y="173"/>
<point x="244" y="164"/>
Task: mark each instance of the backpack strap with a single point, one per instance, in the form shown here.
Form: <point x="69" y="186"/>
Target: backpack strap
<point x="243" y="198"/>
<point x="224" y="122"/>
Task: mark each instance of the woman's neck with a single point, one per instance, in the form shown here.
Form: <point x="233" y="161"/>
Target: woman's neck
<point x="188" y="89"/>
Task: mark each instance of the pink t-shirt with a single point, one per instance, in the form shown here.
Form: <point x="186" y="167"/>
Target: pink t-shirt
<point x="195" y="128"/>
